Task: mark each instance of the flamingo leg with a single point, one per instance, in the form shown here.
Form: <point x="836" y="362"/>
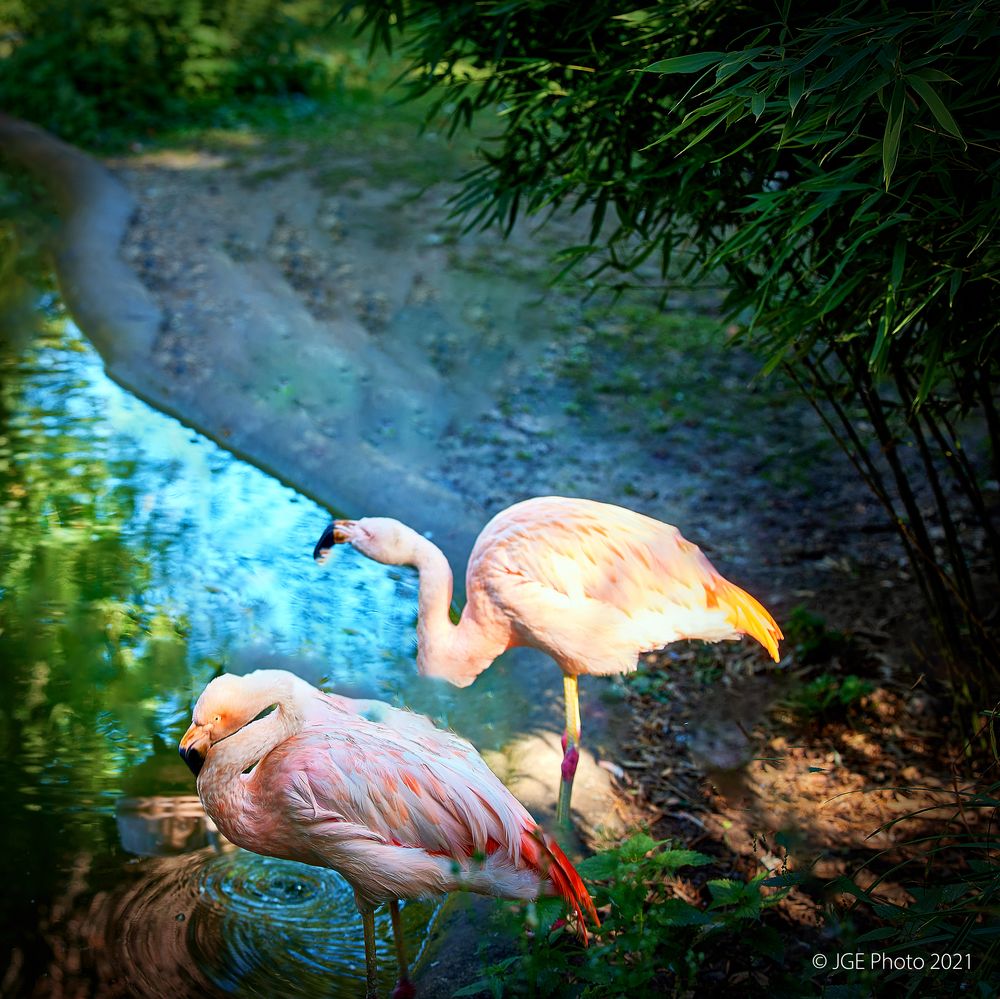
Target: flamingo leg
<point x="571" y="742"/>
<point x="404" y="987"/>
<point x="371" y="965"/>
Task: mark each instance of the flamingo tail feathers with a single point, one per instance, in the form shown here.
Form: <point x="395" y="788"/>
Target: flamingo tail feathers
<point x="750" y="617"/>
<point x="555" y="865"/>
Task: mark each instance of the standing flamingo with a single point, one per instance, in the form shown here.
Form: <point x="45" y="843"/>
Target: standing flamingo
<point x="592" y="585"/>
<point x="400" y="808"/>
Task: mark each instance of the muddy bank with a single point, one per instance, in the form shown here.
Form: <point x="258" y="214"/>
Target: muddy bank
<point x="252" y="342"/>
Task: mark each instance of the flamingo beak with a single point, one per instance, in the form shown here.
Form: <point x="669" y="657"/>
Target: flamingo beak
<point x="335" y="534"/>
<point x="194" y="747"/>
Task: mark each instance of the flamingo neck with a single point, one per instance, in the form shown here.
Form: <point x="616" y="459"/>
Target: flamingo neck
<point x="459" y="652"/>
<point x="227" y="760"/>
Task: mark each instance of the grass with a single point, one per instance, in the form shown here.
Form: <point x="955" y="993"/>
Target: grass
<point x="663" y="924"/>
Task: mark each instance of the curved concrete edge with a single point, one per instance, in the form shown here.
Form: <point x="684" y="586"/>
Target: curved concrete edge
<point x="95" y="209"/>
<point x="119" y="316"/>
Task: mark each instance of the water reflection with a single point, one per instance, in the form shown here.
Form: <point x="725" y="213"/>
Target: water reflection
<point x="286" y="928"/>
<point x="205" y="924"/>
<point x="163" y="826"/>
<point x="136" y="559"/>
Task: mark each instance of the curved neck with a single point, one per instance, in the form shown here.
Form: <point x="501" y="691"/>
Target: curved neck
<point x="229" y="758"/>
<point x="457" y="653"/>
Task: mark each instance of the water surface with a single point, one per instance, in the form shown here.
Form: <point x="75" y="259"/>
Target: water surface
<point x="138" y="560"/>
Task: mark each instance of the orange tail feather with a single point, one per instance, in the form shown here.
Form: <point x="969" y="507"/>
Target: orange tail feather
<point x="545" y="853"/>
<point x="750" y="616"/>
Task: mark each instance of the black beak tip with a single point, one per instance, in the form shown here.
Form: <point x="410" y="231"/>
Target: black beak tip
<point x="325" y="543"/>
<point x="193" y="759"/>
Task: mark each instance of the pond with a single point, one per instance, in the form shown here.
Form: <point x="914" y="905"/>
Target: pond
<point x="137" y="561"/>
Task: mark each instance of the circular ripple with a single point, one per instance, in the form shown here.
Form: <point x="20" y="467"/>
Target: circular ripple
<point x="263" y="926"/>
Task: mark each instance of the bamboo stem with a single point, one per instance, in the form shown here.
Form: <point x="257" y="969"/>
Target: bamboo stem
<point x="956" y="554"/>
<point x="940" y="604"/>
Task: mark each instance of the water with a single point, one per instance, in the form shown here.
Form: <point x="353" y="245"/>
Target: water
<point x="137" y="560"/>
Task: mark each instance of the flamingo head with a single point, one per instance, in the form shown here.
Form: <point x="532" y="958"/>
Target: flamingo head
<point x="226" y="705"/>
<point x="381" y="539"/>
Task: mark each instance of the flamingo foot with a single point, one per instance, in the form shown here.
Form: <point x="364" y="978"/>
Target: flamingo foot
<point x="404" y="989"/>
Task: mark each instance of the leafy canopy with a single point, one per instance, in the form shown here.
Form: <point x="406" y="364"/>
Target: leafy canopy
<point x="841" y="168"/>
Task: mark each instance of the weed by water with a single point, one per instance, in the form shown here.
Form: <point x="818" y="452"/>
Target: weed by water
<point x="667" y="929"/>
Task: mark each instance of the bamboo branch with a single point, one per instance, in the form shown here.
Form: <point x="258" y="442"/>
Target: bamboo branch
<point x="992" y="420"/>
<point x="927" y="565"/>
<point x="956" y="553"/>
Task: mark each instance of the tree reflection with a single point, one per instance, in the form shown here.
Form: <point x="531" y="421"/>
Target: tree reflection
<point x="89" y="668"/>
<point x="115" y="601"/>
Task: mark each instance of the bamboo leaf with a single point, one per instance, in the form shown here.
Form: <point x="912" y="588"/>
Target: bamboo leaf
<point x="796" y="86"/>
<point x="953" y="286"/>
<point x="893" y="129"/>
<point x="686" y="63"/>
<point x="757" y="105"/>
<point x="898" y="261"/>
<point x="935" y="75"/>
<point x="936" y="105"/>
<point x="876" y="359"/>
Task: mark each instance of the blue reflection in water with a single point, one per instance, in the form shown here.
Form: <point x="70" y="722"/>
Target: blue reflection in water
<point x="137" y="560"/>
<point x="230" y="545"/>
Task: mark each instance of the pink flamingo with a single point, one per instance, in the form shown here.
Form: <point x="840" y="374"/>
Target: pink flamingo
<point x="590" y="584"/>
<point x="400" y="808"/>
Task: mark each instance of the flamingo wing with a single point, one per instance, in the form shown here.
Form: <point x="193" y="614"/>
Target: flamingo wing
<point x="420" y="788"/>
<point x="595" y="585"/>
<point x="431" y="792"/>
<point x="401" y="719"/>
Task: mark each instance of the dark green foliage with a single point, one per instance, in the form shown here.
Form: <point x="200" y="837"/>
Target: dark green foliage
<point x="651" y="940"/>
<point x="655" y="942"/>
<point x="827" y="693"/>
<point x="954" y="879"/>
<point x="838" y="168"/>
<point x="95" y="70"/>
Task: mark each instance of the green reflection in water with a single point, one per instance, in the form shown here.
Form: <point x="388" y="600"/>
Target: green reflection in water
<point x="136" y="561"/>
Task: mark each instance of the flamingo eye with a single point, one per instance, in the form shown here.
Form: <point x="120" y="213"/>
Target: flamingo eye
<point x="218" y="718"/>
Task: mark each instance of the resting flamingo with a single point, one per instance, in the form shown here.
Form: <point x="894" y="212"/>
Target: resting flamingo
<point x="400" y="808"/>
<point x="590" y="584"/>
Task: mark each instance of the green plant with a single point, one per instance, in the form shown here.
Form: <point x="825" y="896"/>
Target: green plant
<point x="954" y="880"/>
<point x="826" y="693"/>
<point x="96" y="71"/>
<point x="652" y="938"/>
